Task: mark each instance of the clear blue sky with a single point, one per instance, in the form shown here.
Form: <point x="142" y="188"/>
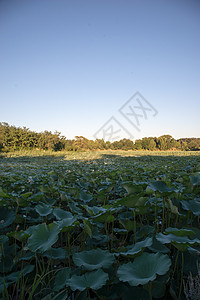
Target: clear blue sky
<point x="70" y="65"/>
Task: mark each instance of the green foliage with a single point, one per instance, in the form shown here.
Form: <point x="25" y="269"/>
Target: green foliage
<point x="93" y="259"/>
<point x="144" y="268"/>
<point x="7" y="217"/>
<point x="98" y="225"/>
<point x="17" y="139"/>
<point x="43" y="209"/>
<point x="43" y="237"/>
<point x="61" y="279"/>
<point x="94" y="280"/>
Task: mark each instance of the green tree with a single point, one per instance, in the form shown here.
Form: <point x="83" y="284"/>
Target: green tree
<point x="138" y="144"/>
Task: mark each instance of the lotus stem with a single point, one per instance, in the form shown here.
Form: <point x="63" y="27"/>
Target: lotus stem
<point x="175" y="264"/>
<point x="69" y="252"/>
<point x="181" y="285"/>
<point x="134" y="225"/>
<point x="150" y="289"/>
<point x="156" y="212"/>
<point x="163" y="216"/>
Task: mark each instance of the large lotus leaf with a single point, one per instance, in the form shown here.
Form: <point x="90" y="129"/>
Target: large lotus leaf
<point x="85" y="197"/>
<point x="94" y="280"/>
<point x="131" y="188"/>
<point x="61" y="278"/>
<point x="7" y="217"/>
<point x="49" y="201"/>
<point x="195" y="179"/>
<point x="191" y="205"/>
<point x="137" y="248"/>
<point x="43" y="237"/>
<point x="61" y="214"/>
<point x="132" y="201"/>
<point x="179" y="232"/>
<point x="165" y="239"/>
<point x="144" y="268"/>
<point x="94" y="259"/>
<point x="43" y="209"/>
<point x="94" y="210"/>
<point x="101" y="217"/>
<point x="66" y="224"/>
<point x="158" y="247"/>
<point x="160" y="186"/>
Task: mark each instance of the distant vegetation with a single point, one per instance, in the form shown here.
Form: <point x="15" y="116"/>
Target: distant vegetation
<point x="14" y="138"/>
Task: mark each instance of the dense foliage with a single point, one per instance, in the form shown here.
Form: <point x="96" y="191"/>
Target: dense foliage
<point x="106" y="228"/>
<point x="16" y="138"/>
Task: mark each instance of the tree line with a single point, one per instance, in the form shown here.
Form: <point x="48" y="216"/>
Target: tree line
<point x="14" y="138"/>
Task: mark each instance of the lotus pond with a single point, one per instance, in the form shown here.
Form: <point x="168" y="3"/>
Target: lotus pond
<point x="100" y="226"/>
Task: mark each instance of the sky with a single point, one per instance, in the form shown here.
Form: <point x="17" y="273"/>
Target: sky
<point x="107" y="69"/>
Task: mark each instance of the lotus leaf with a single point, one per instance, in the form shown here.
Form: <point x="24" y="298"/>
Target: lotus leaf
<point x="43" y="237"/>
<point x="94" y="259"/>
<point x="94" y="280"/>
<point x="179" y="232"/>
<point x="66" y="224"/>
<point x="160" y="186"/>
<point x="191" y="205"/>
<point x="195" y="179"/>
<point x="7" y="217"/>
<point x="61" y="278"/>
<point x="85" y="197"/>
<point x="61" y="214"/>
<point x="137" y="247"/>
<point x="43" y="209"/>
<point x="166" y="239"/>
<point x="145" y="268"/>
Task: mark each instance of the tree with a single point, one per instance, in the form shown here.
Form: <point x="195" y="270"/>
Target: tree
<point x="127" y="144"/>
<point x="16" y="138"/>
<point x="152" y="144"/>
<point x="138" y="144"/>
